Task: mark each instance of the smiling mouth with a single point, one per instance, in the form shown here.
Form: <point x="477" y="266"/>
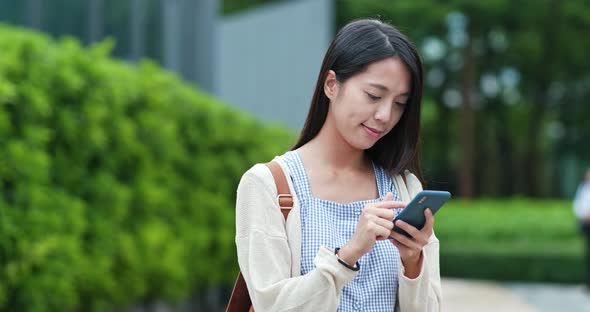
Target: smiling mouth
<point x="373" y="132"/>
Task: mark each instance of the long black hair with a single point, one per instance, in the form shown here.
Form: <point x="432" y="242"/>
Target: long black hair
<point x="358" y="44"/>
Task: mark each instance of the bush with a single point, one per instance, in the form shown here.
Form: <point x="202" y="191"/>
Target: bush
<point x="518" y="240"/>
<point x="117" y="183"/>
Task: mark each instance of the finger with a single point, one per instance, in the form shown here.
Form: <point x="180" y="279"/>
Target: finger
<point x="385" y="223"/>
<point x="379" y="231"/>
<point x="396" y="243"/>
<point x="405" y="241"/>
<point x="388" y="196"/>
<point x="384" y="213"/>
<point x="410" y="229"/>
<point x="390" y="204"/>
<point x="429" y="225"/>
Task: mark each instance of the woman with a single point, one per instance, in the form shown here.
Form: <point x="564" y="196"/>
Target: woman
<point x="337" y="250"/>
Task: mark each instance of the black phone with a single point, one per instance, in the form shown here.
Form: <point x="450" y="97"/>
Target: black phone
<point x="414" y="212"/>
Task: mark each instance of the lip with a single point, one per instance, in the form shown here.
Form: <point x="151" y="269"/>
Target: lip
<point x="372" y="132"/>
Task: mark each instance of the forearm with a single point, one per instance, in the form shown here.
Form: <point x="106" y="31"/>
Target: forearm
<point x="413" y="267"/>
<point x="271" y="287"/>
<point x="423" y="292"/>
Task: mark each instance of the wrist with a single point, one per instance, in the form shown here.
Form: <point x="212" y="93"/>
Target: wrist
<point x="354" y="267"/>
<point x="413" y="260"/>
<point x="412" y="266"/>
<point x="349" y="254"/>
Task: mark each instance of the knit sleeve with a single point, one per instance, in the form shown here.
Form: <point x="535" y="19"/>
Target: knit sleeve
<point x="423" y="293"/>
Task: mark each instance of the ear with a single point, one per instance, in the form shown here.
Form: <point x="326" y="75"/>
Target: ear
<point x="331" y="85"/>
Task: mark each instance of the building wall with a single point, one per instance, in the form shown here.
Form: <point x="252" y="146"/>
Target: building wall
<point x="268" y="59"/>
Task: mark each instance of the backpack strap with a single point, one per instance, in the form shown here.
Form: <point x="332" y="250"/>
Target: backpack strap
<point x="284" y="196"/>
<point x="240" y="299"/>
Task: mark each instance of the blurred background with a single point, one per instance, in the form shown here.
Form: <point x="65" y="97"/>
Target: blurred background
<point x="125" y="127"/>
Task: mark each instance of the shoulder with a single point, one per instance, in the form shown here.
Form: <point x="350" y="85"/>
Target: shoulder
<point x="256" y="204"/>
<point x="261" y="173"/>
<point x="258" y="176"/>
<point x="407" y="184"/>
<point x="412" y="183"/>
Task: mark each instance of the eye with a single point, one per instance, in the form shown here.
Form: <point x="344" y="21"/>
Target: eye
<point x="373" y="97"/>
<point x="400" y="104"/>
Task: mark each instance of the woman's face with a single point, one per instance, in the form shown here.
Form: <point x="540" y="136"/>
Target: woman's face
<point x="369" y="104"/>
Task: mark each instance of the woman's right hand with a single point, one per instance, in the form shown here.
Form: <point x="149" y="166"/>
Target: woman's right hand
<point x="375" y="223"/>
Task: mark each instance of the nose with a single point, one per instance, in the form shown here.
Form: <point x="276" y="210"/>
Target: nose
<point x="383" y="112"/>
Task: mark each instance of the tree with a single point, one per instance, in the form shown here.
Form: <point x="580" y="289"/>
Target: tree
<point x="504" y="64"/>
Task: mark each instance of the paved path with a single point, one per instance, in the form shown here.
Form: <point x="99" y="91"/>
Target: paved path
<point x="482" y="296"/>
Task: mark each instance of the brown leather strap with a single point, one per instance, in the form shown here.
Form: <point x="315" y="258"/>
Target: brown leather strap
<point x="284" y="196"/>
<point x="239" y="300"/>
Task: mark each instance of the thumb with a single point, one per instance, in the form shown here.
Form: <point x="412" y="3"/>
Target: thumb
<point x="388" y="196"/>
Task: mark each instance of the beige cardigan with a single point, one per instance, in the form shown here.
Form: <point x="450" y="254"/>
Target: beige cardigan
<point x="269" y="254"/>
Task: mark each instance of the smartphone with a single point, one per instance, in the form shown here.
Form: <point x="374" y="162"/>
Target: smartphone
<point x="414" y="212"/>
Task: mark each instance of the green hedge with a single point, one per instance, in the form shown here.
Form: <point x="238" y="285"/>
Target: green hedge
<point x="117" y="182"/>
<point x="518" y="240"/>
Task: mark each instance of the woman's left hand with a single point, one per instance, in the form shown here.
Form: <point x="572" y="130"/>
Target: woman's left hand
<point x="410" y="249"/>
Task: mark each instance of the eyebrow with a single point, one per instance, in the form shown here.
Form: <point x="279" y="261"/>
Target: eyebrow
<point x="384" y="88"/>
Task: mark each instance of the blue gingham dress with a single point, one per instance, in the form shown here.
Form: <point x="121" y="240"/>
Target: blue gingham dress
<point x="331" y="224"/>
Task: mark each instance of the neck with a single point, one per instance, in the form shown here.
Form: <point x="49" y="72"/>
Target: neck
<point x="329" y="148"/>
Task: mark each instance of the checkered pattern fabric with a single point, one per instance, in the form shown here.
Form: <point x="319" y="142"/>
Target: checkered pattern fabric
<point x="331" y="224"/>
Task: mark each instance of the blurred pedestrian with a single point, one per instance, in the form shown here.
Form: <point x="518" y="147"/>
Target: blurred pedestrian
<point x="582" y="212"/>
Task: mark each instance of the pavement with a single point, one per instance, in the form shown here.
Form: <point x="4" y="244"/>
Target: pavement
<point x="482" y="296"/>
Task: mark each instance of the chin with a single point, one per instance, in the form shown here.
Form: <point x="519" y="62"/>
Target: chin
<point x="362" y="144"/>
